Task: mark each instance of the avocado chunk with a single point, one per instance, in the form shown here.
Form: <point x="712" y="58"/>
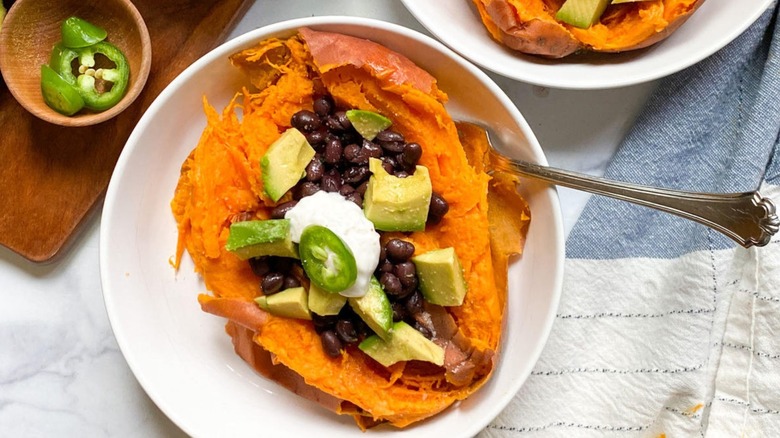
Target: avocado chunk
<point x="397" y="204"/>
<point x="581" y="13"/>
<point x="441" y="277"/>
<point x="374" y="309"/>
<point x="368" y="123"/>
<point x="271" y="237"/>
<point x="289" y="303"/>
<point x="325" y="303"/>
<point x="404" y="343"/>
<point x="284" y="163"/>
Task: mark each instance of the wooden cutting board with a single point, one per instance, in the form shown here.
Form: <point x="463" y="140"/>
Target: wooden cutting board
<point x="52" y="178"/>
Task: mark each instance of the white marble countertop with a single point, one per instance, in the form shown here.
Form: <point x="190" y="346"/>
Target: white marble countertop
<point x="61" y="371"/>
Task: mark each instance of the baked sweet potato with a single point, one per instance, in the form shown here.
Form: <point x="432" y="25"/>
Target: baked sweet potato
<point x="221" y="180"/>
<point x="529" y="26"/>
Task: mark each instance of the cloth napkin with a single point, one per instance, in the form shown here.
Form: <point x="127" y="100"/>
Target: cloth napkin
<point x="665" y="327"/>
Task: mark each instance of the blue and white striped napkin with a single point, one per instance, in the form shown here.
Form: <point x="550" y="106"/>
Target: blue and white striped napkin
<point x="667" y="328"/>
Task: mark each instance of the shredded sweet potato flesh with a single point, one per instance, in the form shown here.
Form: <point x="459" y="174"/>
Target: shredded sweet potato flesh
<point x="221" y="179"/>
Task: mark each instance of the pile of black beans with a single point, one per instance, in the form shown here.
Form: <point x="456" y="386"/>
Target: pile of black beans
<point x="341" y="165"/>
<point x="276" y="273"/>
<point x="398" y="277"/>
<point x="341" y="160"/>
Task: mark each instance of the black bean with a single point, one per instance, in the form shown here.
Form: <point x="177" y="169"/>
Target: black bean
<point x="280" y="210"/>
<point x="338" y="122"/>
<point x="406" y="273"/>
<point x="402" y="174"/>
<point x="332" y="123"/>
<point x="323" y="106"/>
<point x="305" y="121"/>
<point x="346" y="189"/>
<point x="316" y="137"/>
<point x="345" y="329"/>
<point x="326" y="322"/>
<point x="290" y="281"/>
<point x="410" y="155"/>
<point x="351" y="152"/>
<point x="308" y="188"/>
<point x="259" y="265"/>
<point x="314" y="170"/>
<point x="333" y="151"/>
<point x="386" y="266"/>
<point x="331" y="343"/>
<point x="272" y="283"/>
<point x="389" y="136"/>
<point x="356" y="174"/>
<point x="390" y="283"/>
<point x="331" y="183"/>
<point x="371" y="149"/>
<point x="409" y="288"/>
<point x="362" y="188"/>
<point x="393" y="147"/>
<point x="399" y="311"/>
<point x="356" y="198"/>
<point x="399" y="250"/>
<point x="438" y="207"/>
<point x="382" y="254"/>
<point x="360" y="158"/>
<point x="343" y="119"/>
<point x="414" y="304"/>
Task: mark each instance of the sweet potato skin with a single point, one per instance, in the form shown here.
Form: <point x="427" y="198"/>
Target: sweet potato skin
<point x="529" y="26"/>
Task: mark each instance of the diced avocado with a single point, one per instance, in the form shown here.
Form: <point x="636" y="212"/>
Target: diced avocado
<point x="249" y="239"/>
<point x="262" y="302"/>
<point x="325" y="303"/>
<point x="374" y="309"/>
<point x="404" y="343"/>
<point x="284" y="163"/>
<point x="368" y="123"/>
<point x="581" y="13"/>
<point x="289" y="303"/>
<point x="441" y="277"/>
<point x="397" y="204"/>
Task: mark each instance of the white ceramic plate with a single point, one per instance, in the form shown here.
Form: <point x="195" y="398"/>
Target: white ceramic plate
<point x="182" y="357"/>
<point x="709" y="29"/>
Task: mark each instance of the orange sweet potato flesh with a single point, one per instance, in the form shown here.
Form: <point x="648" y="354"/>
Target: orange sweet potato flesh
<point x="221" y="181"/>
<point x="529" y="26"/>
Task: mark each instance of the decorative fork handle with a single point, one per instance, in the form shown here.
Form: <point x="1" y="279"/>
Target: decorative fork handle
<point x="748" y="218"/>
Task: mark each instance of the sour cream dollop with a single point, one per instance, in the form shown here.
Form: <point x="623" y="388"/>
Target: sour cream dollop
<point x="347" y="221"/>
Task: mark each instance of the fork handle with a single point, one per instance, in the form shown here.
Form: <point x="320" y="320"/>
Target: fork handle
<point x="748" y="218"/>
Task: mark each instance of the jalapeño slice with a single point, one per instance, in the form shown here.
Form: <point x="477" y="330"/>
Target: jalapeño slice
<point x="78" y="33"/>
<point x="60" y="95"/>
<point x="327" y="260"/>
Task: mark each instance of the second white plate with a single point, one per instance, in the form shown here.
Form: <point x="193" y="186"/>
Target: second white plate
<point x="710" y="28"/>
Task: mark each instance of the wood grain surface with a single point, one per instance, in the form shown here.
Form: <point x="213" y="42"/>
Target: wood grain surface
<point x="52" y="177"/>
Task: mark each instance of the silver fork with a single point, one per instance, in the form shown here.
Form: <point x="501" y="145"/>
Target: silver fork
<point x="748" y="218"/>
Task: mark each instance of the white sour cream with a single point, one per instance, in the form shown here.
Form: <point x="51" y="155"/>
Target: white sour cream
<point x="347" y="221"/>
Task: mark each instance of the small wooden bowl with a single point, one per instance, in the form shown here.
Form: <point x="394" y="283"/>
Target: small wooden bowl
<point x="32" y="28"/>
